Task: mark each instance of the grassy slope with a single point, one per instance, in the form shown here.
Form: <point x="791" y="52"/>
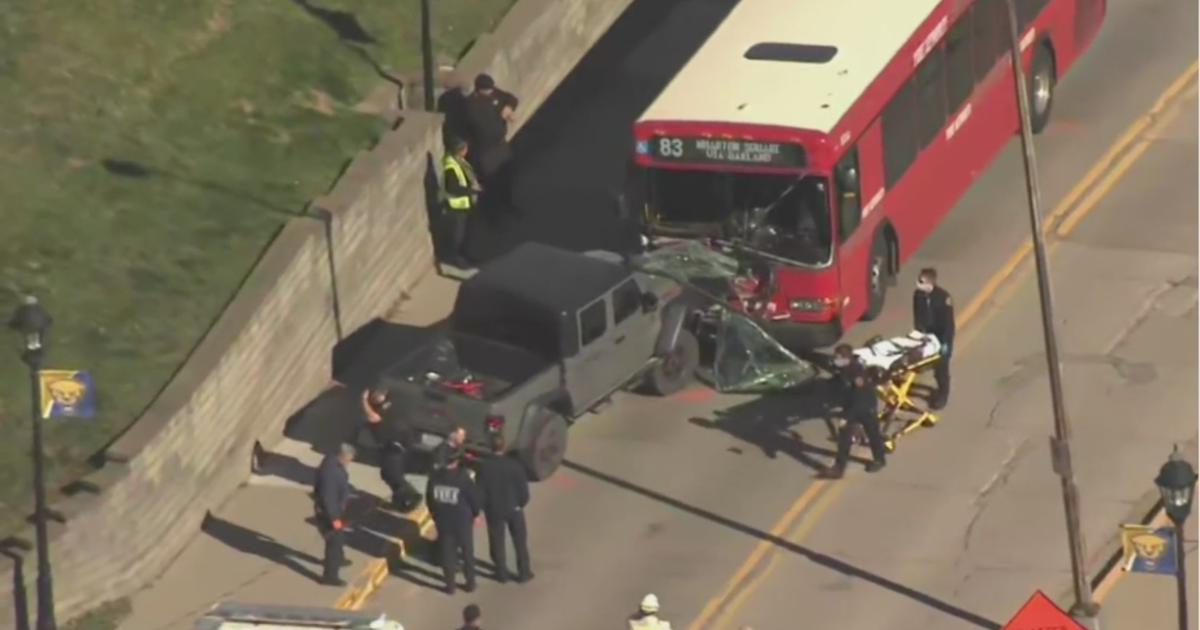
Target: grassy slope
<point x="235" y="113"/>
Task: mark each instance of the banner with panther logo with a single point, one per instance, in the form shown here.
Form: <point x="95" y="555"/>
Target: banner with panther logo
<point x="67" y="394"/>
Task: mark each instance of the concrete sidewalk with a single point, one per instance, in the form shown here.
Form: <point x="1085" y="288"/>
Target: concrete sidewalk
<point x="259" y="547"/>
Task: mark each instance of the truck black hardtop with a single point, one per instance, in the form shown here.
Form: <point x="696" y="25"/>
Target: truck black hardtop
<point x="537" y="338"/>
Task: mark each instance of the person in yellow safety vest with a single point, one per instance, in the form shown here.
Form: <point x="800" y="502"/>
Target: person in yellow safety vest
<point x="646" y="618"/>
<point x="462" y="194"/>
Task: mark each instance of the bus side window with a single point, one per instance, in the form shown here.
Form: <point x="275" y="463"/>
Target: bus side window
<point x="960" y="76"/>
<point x="849" y="197"/>
<point x="931" y="94"/>
<point x="899" y="122"/>
<point x="990" y="34"/>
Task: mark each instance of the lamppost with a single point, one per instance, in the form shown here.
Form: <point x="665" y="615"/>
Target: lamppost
<point x="1176" y="483"/>
<point x="33" y="323"/>
<point x="427" y="54"/>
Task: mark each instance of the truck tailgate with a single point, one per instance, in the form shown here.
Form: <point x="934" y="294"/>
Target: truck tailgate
<point x="434" y="412"/>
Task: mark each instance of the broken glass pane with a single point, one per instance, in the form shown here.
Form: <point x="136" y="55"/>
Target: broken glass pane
<point x="746" y="359"/>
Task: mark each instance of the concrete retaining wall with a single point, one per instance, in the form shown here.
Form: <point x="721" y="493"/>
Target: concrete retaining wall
<point x="269" y="353"/>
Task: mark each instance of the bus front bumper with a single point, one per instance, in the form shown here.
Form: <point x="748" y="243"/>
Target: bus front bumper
<point x="806" y="335"/>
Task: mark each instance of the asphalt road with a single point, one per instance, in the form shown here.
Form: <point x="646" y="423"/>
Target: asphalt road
<point x="653" y="502"/>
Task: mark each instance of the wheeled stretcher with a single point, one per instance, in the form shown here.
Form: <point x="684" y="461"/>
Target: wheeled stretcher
<point x="900" y="360"/>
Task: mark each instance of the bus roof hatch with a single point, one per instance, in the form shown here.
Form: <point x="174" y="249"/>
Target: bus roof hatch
<point x="799" y="53"/>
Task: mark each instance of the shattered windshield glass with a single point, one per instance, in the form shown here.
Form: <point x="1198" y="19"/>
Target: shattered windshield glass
<point x="745" y="358"/>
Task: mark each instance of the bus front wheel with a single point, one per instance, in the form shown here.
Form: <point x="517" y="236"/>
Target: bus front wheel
<point x="877" y="279"/>
<point x="1042" y="80"/>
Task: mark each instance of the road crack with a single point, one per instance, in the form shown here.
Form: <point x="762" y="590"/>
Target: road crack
<point x="997" y="483"/>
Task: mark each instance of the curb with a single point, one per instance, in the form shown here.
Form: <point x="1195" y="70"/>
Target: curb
<point x="377" y="570"/>
<point x="401" y="547"/>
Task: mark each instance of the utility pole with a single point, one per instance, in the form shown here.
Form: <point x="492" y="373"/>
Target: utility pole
<point x="1084" y="610"/>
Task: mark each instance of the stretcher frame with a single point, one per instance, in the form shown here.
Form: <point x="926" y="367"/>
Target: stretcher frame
<point x="895" y="392"/>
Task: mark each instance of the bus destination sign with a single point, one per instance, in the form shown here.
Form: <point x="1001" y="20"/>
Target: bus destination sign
<point x="691" y="150"/>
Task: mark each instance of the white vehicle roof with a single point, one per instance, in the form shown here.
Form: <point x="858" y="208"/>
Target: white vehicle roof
<point x="234" y="616"/>
<point x="719" y="84"/>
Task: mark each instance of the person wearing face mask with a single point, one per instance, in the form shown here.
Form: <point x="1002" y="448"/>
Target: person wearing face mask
<point x="860" y="411"/>
<point x="933" y="313"/>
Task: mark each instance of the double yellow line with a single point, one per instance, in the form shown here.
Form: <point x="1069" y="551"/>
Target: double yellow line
<point x="803" y="515"/>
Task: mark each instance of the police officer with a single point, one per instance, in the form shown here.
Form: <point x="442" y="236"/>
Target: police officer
<point x="933" y="313"/>
<point x="455" y="504"/>
<point x="860" y="409"/>
<point x="462" y="194"/>
<point x="646" y="617"/>
<point x="453" y="447"/>
<point x="489" y="110"/>
<point x="393" y="444"/>
<point x="331" y="492"/>
<point x="505" y="495"/>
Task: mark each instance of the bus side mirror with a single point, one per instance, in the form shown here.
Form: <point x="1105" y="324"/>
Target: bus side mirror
<point x="649" y="302"/>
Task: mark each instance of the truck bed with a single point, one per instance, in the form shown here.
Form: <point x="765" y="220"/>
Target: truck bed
<point x="498" y="366"/>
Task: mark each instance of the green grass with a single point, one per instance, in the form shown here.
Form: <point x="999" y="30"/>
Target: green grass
<point x="107" y="616"/>
<point x="234" y="114"/>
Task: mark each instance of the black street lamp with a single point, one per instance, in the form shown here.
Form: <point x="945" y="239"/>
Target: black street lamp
<point x="1176" y="483"/>
<point x="427" y="54"/>
<point x="33" y="324"/>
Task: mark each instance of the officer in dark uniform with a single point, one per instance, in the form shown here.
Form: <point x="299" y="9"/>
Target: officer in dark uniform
<point x="393" y="443"/>
<point x="455" y="503"/>
<point x="860" y="410"/>
<point x="453" y="447"/>
<point x="489" y="110"/>
<point x="331" y="492"/>
<point x="505" y="495"/>
<point x="933" y="313"/>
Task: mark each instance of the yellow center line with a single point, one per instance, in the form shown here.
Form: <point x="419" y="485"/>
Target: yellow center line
<point x="805" y="526"/>
<point x="998" y="289"/>
<point x="743" y="573"/>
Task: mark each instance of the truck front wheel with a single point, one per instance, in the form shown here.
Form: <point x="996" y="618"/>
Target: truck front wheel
<point x="674" y="371"/>
<point x="543" y="445"/>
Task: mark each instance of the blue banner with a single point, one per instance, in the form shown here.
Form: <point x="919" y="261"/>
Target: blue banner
<point x="67" y="394"/>
<point x="1149" y="549"/>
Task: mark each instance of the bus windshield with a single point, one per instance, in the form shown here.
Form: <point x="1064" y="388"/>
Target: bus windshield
<point x="782" y="215"/>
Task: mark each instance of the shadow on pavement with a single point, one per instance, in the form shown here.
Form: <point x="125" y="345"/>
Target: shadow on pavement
<point x="333" y="418"/>
<point x="372" y="530"/>
<point x="365" y="354"/>
<point x="288" y="468"/>
<point x="19" y="594"/>
<point x="818" y="558"/>
<point x="254" y="543"/>
<point x="768" y="422"/>
<point x="423" y="566"/>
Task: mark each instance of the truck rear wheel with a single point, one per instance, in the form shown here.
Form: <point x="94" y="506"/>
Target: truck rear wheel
<point x="675" y="371"/>
<point x="543" y="445"/>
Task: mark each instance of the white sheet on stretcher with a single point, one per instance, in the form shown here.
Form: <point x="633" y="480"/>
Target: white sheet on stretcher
<point x="884" y="353"/>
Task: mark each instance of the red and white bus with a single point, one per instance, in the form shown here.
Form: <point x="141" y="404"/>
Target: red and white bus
<point x="831" y="136"/>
